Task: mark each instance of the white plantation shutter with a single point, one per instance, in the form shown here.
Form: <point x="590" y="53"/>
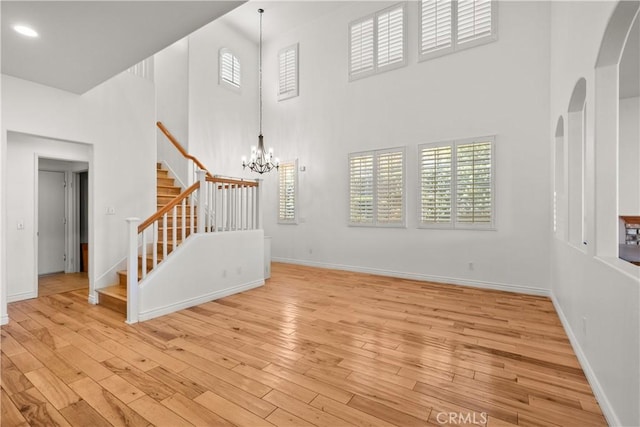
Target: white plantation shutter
<point x="390" y="25"/>
<point x="361" y="51"/>
<point x="229" y="68"/>
<point x="287" y="192"/>
<point x="378" y="42"/>
<point x="435" y="184"/>
<point x="474" y="183"/>
<point x="474" y="20"/>
<point x="288" y="72"/>
<point x="435" y="25"/>
<point x="361" y="188"/>
<point x="376" y="188"/>
<point x="457" y="184"/>
<point x="449" y="25"/>
<point x="390" y="187"/>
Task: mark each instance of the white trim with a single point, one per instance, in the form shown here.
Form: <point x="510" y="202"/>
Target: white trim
<point x="22" y="296"/>
<point x="4" y="319"/>
<point x="520" y="289"/>
<point x="93" y="299"/>
<point x="167" y="309"/>
<point x="596" y="387"/>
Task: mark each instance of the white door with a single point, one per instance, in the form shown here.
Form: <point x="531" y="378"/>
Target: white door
<point x="51" y="222"/>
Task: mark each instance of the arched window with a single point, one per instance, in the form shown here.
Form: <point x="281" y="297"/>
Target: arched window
<point x="576" y="139"/>
<point x="229" y="69"/>
<point x="559" y="190"/>
<point x="616" y="75"/>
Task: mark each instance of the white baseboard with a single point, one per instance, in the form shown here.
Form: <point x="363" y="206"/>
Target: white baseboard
<point x="93" y="300"/>
<point x="21" y="296"/>
<point x="598" y="391"/>
<point x="528" y="290"/>
<point x="181" y="305"/>
<point x="4" y="319"/>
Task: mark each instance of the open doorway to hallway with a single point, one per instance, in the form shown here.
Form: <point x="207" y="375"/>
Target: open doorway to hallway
<point x="62" y="221"/>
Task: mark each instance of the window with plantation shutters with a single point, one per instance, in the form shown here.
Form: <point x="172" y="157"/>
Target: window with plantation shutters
<point x="376" y="188"/>
<point x="229" y="72"/>
<point x="287" y="192"/>
<point x="447" y="26"/>
<point x="361" y="189"/>
<point x="288" y="72"/>
<point x="435" y="184"/>
<point x="457" y="184"/>
<point x="378" y="42"/>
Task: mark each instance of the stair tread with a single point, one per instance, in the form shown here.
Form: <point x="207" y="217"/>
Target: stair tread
<point x="115" y="291"/>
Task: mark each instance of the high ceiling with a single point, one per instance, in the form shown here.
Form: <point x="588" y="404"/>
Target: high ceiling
<point x="83" y="43"/>
<point x="630" y="64"/>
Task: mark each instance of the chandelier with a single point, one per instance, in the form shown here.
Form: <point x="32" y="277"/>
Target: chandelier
<point x="261" y="161"/>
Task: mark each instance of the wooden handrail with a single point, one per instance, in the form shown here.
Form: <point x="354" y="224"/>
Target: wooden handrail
<point x="233" y="181"/>
<point x="181" y="149"/>
<point x="178" y="199"/>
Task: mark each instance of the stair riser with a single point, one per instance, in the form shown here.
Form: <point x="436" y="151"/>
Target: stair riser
<point x="161" y="173"/>
<point x="112" y="303"/>
<point x="169" y="182"/>
<point x="168" y="191"/>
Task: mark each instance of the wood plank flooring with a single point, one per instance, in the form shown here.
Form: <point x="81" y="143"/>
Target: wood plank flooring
<point x="312" y="347"/>
<point x="62" y="282"/>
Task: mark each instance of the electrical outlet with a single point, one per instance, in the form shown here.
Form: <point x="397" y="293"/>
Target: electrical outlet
<point x="584" y="325"/>
<point x="20" y="225"/>
<point x="470" y="265"/>
<point x="111" y="210"/>
<point x="224" y="273"/>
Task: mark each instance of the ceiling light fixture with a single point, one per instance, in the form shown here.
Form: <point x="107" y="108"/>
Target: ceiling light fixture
<point x="261" y="161"/>
<point x="25" y="31"/>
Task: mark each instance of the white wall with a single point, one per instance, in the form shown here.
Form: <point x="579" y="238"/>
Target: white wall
<point x="209" y="266"/>
<point x="496" y="89"/>
<point x="223" y="124"/>
<point x="596" y="298"/>
<point x="171" y="77"/>
<point x="629" y="152"/>
<point x="117" y="120"/>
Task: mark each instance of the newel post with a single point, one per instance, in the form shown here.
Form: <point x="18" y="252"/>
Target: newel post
<point x="132" y="272"/>
<point x="202" y="199"/>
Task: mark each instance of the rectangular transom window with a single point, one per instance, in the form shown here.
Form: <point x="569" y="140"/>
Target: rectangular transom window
<point x="448" y="25"/>
<point x="288" y="192"/>
<point x="288" y="72"/>
<point x="229" y="69"/>
<point x="376" y="188"/>
<point x="378" y="42"/>
<point x="457" y="184"/>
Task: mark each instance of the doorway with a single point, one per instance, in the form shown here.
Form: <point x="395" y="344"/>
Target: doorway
<point x="62" y="234"/>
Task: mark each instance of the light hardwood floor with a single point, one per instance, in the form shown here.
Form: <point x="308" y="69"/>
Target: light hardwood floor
<point x="61" y="282"/>
<point x="311" y="347"/>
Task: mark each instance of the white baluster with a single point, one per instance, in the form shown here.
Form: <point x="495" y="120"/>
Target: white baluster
<point x="174" y="228"/>
<point x="155" y="244"/>
<point x="164" y="236"/>
<point x="184" y="218"/>
<point x="202" y="202"/>
<point x="144" y="254"/>
<point x="132" y="272"/>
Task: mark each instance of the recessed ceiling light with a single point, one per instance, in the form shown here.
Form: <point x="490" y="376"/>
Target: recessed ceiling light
<point x="25" y="31"/>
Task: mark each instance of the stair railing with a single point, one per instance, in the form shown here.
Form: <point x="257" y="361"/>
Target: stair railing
<point x="212" y="204"/>
<point x="181" y="149"/>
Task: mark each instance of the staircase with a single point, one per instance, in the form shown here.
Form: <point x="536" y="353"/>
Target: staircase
<point x="115" y="296"/>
